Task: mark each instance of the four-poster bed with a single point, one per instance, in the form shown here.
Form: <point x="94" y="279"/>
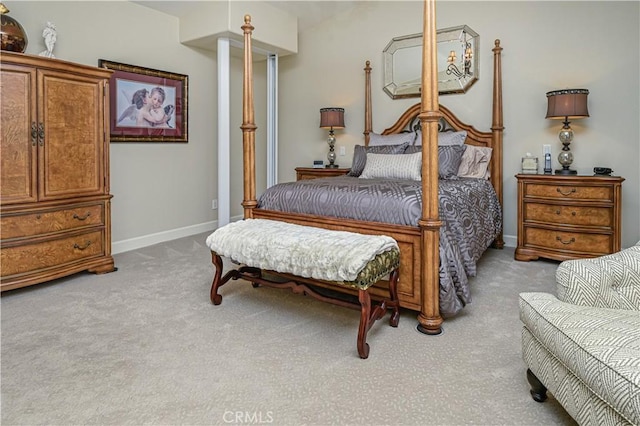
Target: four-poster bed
<point x="419" y="282"/>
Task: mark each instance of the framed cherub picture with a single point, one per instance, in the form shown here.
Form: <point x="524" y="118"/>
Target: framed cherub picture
<point x="147" y="105"/>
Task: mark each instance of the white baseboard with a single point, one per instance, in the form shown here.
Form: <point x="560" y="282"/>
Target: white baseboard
<point x="160" y="237"/>
<point x="173" y="234"/>
<point x="510" y="240"/>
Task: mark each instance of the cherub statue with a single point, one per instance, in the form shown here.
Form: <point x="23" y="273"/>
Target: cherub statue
<point x="50" y="35"/>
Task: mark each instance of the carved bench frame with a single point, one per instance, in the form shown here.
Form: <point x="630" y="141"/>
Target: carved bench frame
<point x="368" y="314"/>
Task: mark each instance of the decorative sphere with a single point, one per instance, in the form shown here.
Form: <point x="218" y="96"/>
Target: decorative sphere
<point x="565" y="158"/>
<point x="331" y="156"/>
<point x="13" y="36"/>
<point x="566" y="135"/>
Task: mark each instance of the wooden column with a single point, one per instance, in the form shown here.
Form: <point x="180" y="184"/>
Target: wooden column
<point x="429" y="318"/>
<point x="248" y="125"/>
<point x="368" y="123"/>
<point x="497" y="128"/>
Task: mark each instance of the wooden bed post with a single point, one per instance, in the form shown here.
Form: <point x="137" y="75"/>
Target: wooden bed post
<point x="367" y="103"/>
<point x="248" y="125"/>
<point x="429" y="319"/>
<point x="497" y="127"/>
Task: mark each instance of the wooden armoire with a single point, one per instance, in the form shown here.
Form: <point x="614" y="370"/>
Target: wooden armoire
<point x="55" y="205"/>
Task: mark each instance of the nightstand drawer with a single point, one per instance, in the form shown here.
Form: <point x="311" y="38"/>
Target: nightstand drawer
<point x="575" y="192"/>
<point x="593" y="244"/>
<point x="568" y="215"/>
<point x="305" y="173"/>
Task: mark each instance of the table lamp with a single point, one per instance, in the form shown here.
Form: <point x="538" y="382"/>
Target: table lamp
<point x="331" y="118"/>
<point x="564" y="105"/>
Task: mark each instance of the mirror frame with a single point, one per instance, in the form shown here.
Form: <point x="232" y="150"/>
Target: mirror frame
<point x="403" y="62"/>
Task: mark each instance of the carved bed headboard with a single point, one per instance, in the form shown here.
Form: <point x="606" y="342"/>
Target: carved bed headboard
<point x="410" y="121"/>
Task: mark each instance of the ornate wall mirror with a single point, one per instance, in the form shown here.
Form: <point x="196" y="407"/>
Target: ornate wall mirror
<point x="457" y="62"/>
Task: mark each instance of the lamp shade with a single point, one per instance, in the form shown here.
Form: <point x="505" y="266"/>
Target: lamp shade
<point x="332" y="118"/>
<point x="567" y="104"/>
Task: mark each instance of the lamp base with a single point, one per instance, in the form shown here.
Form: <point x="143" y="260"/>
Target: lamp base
<point x="332" y="166"/>
<point x="566" y="172"/>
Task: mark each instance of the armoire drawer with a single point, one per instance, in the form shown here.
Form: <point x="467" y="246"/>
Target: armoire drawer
<point x="564" y="240"/>
<point x="48" y="221"/>
<point x="50" y="253"/>
<point x="569" y="215"/>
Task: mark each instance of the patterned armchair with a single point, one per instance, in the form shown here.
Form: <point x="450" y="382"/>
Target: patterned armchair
<point x="584" y="345"/>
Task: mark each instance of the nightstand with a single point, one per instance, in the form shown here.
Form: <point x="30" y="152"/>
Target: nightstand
<point x="313" y="173"/>
<point x="568" y="217"/>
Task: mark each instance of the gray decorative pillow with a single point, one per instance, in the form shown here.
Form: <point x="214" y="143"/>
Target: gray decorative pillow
<point x="360" y="155"/>
<point x="376" y="139"/>
<point x="387" y="166"/>
<point x="446" y="138"/>
<point x="449" y="159"/>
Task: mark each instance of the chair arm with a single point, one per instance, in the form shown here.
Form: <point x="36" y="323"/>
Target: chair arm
<point x="611" y="281"/>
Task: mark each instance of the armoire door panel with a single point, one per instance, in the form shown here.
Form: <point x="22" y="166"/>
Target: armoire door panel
<point x="17" y="138"/>
<point x="71" y="162"/>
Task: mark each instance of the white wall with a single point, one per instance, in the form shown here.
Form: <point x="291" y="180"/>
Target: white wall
<point x="159" y="188"/>
<point x="165" y="190"/>
<point x="547" y="46"/>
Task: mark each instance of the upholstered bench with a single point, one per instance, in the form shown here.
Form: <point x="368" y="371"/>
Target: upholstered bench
<point x="301" y="254"/>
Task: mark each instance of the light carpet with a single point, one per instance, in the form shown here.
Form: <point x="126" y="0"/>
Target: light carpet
<point x="144" y="345"/>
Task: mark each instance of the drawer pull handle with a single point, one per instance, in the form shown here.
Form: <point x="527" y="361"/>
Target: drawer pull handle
<point x="572" y="213"/>
<point x="86" y="245"/>
<point x="572" y="240"/>
<point x="565" y="193"/>
<point x="87" y="214"/>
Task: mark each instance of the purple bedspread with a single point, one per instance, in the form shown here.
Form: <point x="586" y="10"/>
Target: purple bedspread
<point x="469" y="209"/>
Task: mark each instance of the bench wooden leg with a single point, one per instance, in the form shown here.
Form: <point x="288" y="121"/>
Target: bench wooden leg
<point x="219" y="280"/>
<point x="365" y="323"/>
<point x="215" y="297"/>
<point x="394" y="303"/>
<point x="368" y="315"/>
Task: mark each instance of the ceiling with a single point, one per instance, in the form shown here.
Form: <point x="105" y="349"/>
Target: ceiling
<point x="309" y="12"/>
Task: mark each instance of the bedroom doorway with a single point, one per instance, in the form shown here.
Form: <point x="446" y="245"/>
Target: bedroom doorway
<point x="224" y="123"/>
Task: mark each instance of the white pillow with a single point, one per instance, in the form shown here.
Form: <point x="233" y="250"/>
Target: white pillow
<point x="475" y="162"/>
<point x="405" y="166"/>
<point x="395" y="139"/>
<point x="446" y="138"/>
